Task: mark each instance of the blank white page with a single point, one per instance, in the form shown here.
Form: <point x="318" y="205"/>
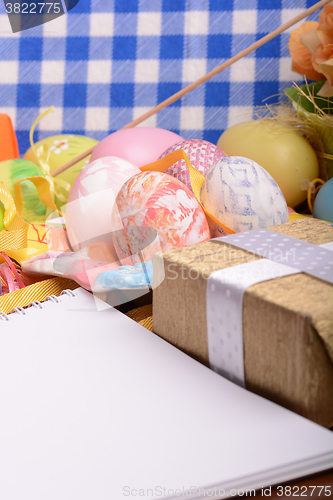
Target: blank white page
<point x="94" y="406"/>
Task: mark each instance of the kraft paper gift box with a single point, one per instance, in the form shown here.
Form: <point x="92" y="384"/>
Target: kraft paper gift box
<point x="287" y="322"/>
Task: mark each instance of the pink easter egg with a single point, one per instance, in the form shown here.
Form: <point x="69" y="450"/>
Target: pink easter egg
<point x="202" y="155"/>
<point x="91" y="199"/>
<point x="157" y="200"/>
<point x="139" y="145"/>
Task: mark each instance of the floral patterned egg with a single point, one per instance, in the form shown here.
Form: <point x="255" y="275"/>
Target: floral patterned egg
<point x="156" y="200"/>
<point x="242" y="195"/>
<point x="91" y="200"/>
<point x="202" y="155"/>
<point x="60" y="149"/>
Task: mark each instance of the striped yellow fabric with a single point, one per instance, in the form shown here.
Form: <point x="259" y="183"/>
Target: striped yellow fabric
<point x="37" y="291"/>
<point x="14" y="239"/>
<point x="143" y="315"/>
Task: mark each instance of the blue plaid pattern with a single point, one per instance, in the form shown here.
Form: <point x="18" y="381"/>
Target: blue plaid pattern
<point x="107" y="62"/>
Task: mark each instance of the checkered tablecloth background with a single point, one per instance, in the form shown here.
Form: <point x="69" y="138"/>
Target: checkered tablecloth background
<point x="107" y="62"/>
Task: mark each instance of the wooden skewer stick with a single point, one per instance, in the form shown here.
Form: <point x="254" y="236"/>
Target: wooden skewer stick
<point x="204" y="78"/>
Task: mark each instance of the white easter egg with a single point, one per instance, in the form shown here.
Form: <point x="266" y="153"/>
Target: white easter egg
<point x="242" y="195"/>
<point x="91" y="200"/>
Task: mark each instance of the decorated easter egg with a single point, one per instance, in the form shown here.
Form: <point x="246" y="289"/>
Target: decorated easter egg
<point x="139" y="145"/>
<point x="280" y="150"/>
<point x="157" y="200"/>
<point x="91" y="199"/>
<point x="323" y="204"/>
<point x="202" y="155"/>
<point x="60" y="149"/>
<point x="12" y="171"/>
<point x="242" y="195"/>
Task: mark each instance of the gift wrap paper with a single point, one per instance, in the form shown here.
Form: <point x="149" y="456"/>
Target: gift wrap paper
<point x="287" y="322"/>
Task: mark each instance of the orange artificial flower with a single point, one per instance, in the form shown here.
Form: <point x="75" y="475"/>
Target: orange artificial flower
<point x="323" y="55"/>
<point x="301" y="56"/>
<point x="322" y="61"/>
<point x="325" y="29"/>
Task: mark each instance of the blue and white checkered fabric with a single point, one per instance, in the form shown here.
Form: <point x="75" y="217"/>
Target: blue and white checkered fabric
<point x="107" y="62"/>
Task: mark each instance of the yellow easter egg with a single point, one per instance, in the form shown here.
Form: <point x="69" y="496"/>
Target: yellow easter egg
<point x="61" y="149"/>
<point x="280" y="150"/>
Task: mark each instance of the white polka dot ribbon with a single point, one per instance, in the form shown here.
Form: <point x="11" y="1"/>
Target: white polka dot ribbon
<point x="306" y="257"/>
<point x="226" y="287"/>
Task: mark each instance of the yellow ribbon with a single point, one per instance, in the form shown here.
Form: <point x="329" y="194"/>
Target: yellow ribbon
<point x="311" y="190"/>
<point x="44" y="189"/>
<point x="37" y="291"/>
<point x="196" y="178"/>
<point x="42" y="154"/>
<point x="14" y="236"/>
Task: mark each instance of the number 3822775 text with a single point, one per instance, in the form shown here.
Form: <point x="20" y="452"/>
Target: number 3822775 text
<point x="304" y="491"/>
<point x="33" y="8"/>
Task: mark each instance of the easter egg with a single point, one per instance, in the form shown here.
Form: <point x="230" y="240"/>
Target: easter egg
<point x="280" y="150"/>
<point x="60" y="149"/>
<point x="202" y="155"/>
<point x="91" y="199"/>
<point x="139" y="145"/>
<point x="12" y="171"/>
<point x="157" y="200"/>
<point x="323" y="204"/>
<point x="242" y="195"/>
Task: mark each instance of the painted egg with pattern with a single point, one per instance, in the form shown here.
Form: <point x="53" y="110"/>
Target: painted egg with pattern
<point x="91" y="199"/>
<point x="159" y="201"/>
<point x="202" y="155"/>
<point x="60" y="149"/>
<point x="242" y="195"/>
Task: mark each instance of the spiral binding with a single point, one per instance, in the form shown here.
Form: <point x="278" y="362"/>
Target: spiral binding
<point x="37" y="304"/>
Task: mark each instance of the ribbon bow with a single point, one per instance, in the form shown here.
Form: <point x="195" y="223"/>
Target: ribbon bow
<point x="42" y="154"/>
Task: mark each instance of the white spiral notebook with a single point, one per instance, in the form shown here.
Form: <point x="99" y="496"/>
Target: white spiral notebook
<point x="95" y="407"/>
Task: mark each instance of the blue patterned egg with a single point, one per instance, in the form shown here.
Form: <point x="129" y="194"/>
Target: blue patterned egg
<point x="242" y="195"/>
